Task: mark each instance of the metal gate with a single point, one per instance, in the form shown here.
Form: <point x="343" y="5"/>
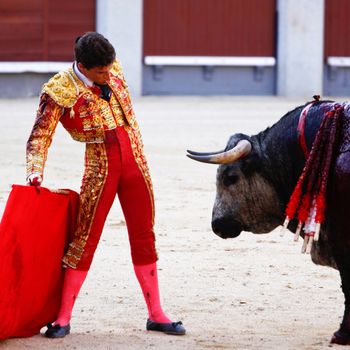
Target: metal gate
<point x="337" y="48"/>
<point x="209" y="46"/>
<point x="43" y="30"/>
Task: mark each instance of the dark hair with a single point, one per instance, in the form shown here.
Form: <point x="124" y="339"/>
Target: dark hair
<point x="93" y="50"/>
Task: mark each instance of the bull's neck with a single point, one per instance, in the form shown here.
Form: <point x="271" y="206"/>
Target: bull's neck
<point x="282" y="156"/>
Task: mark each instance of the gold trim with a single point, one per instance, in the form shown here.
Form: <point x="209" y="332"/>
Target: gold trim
<point x="62" y="88"/>
<point x="48" y="115"/>
<point x="96" y="171"/>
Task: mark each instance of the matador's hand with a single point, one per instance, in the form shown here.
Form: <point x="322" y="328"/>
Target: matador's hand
<point x="34" y="179"/>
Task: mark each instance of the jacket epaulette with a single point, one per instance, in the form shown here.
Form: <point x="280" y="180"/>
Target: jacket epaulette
<point x="62" y="88"/>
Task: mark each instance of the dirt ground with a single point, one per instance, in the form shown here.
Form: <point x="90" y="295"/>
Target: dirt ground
<point x="252" y="292"/>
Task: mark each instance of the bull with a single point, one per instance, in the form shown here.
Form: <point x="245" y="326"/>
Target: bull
<point x="257" y="175"/>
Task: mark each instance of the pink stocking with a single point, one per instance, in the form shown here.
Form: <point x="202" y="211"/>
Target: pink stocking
<point x="73" y="280"/>
<point x="148" y="278"/>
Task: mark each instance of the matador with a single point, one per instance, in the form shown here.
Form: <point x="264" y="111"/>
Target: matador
<point x="92" y="102"/>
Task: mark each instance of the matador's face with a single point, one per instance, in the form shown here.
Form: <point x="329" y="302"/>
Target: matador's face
<point x="99" y="75"/>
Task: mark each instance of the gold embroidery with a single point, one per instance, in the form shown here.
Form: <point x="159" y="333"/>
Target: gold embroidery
<point x="96" y="170"/>
<point x="112" y="113"/>
<point x="40" y="139"/>
<point x="123" y="98"/>
<point x="88" y="136"/>
<point x="62" y="89"/>
<point x="117" y="71"/>
<point x="66" y="89"/>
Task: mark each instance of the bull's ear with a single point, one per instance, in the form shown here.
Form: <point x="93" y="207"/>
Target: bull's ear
<point x="251" y="163"/>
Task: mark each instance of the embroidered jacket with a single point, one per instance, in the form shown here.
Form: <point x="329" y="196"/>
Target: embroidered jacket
<point x="82" y="112"/>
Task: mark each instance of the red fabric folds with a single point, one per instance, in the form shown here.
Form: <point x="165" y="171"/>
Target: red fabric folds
<point x="34" y="232"/>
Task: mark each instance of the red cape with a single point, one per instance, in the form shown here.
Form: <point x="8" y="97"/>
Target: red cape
<point x="34" y="232"/>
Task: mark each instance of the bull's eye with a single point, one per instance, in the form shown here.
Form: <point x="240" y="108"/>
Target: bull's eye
<point x="230" y="179"/>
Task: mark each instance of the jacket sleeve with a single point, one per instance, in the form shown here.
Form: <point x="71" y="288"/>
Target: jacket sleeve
<point x="48" y="115"/>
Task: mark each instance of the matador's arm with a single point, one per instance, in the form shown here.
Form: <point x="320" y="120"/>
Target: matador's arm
<point x="40" y="139"/>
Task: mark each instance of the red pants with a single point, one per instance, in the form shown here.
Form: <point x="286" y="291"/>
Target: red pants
<point x="123" y="177"/>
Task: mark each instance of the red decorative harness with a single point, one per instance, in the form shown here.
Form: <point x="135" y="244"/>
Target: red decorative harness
<point x="301" y="129"/>
<point x="301" y="125"/>
<point x="308" y="200"/>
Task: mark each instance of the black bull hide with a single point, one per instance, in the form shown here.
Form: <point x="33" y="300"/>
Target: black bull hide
<point x="276" y="160"/>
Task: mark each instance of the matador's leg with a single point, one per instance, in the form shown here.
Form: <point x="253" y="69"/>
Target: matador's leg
<point x="136" y="198"/>
<point x="97" y="194"/>
<point x="98" y="191"/>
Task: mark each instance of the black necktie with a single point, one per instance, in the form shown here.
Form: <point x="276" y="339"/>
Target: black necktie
<point x="105" y="91"/>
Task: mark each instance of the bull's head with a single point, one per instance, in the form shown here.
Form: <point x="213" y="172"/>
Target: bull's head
<point x="245" y="199"/>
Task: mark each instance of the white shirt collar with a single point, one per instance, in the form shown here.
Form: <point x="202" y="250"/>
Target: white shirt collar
<point x="81" y="76"/>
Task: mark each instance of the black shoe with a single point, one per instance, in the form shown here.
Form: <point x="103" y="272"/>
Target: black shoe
<point x="57" y="331"/>
<point x="174" y="328"/>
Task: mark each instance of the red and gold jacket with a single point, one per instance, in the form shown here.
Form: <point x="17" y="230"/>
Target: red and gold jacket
<point x="82" y="112"/>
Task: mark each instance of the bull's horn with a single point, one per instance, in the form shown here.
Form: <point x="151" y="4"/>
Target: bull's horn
<point x="203" y="153"/>
<point x="242" y="149"/>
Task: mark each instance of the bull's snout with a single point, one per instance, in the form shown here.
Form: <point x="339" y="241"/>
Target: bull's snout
<point x="226" y="227"/>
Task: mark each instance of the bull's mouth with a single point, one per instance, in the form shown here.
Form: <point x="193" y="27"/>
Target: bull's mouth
<point x="226" y="227"/>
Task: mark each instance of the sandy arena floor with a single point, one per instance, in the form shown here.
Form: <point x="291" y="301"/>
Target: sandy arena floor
<point x="252" y="292"/>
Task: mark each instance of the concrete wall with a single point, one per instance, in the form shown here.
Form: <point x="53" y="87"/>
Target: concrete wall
<point x="211" y="80"/>
<point x="300" y="47"/>
<point x="336" y="81"/>
<point x="120" y="21"/>
<point x="13" y="85"/>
